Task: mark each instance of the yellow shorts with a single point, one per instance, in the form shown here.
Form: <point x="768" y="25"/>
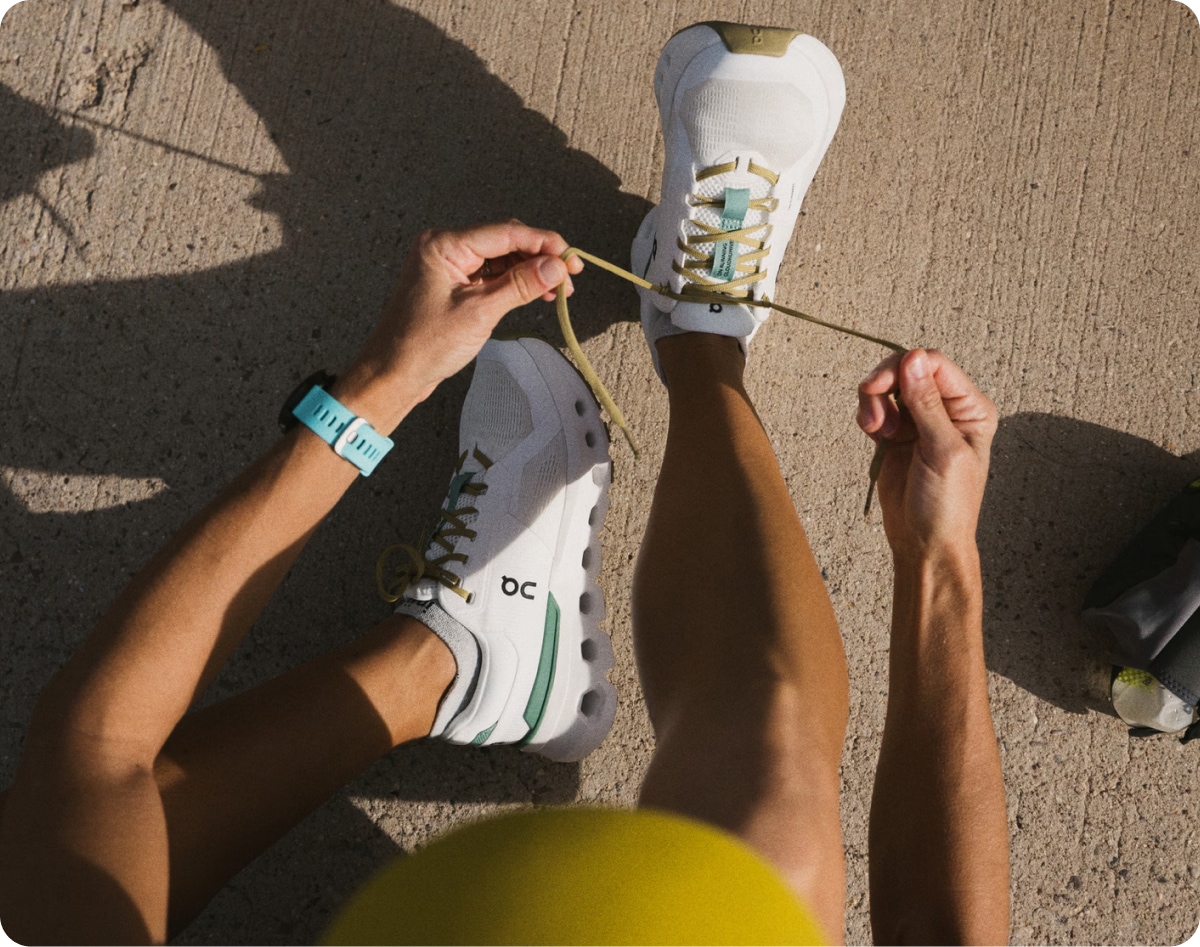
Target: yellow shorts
<point x="579" y="876"/>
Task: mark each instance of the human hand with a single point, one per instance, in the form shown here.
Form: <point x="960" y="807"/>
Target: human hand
<point x="453" y="288"/>
<point x="935" y="470"/>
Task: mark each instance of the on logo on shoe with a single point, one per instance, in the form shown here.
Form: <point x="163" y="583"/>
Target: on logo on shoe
<point x="510" y="586"/>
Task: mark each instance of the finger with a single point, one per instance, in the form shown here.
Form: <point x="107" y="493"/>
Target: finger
<point x="878" y="416"/>
<point x="574" y="265"/>
<point x="923" y="401"/>
<point x="526" y="282"/>
<point x="491" y="268"/>
<point x="972" y="412"/>
<point x="884" y="377"/>
<point x="468" y="248"/>
<point x="951" y="380"/>
<point x="877" y="412"/>
<point x="550" y="295"/>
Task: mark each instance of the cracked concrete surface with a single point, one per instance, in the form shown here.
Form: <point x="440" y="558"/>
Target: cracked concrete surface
<point x="201" y="203"/>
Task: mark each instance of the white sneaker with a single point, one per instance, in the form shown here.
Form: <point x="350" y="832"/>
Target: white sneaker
<point x="508" y="577"/>
<point x="747" y="115"/>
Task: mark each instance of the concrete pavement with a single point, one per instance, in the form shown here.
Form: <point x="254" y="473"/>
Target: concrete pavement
<point x="201" y="203"/>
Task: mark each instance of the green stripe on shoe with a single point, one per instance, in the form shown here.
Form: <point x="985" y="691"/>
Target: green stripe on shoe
<point x="539" y="697"/>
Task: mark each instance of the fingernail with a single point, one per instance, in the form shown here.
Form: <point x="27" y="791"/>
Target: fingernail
<point x="919" y="366"/>
<point x="549" y="270"/>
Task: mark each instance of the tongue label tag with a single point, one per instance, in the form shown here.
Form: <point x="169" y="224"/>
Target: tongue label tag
<point x="737" y="202"/>
<point x="725" y="252"/>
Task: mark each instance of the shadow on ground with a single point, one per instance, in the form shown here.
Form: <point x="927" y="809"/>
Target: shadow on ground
<point x="387" y="126"/>
<point x="1064" y="496"/>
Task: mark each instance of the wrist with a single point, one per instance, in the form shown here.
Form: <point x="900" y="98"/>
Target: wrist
<point x="381" y="396"/>
<point x="942" y="581"/>
<point x="936" y="589"/>
<point x="954" y="560"/>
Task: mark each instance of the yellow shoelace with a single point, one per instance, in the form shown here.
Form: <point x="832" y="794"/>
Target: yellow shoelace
<point x="691" y="294"/>
<point x="451" y="523"/>
<point x="697" y="268"/>
<point x="701" y="288"/>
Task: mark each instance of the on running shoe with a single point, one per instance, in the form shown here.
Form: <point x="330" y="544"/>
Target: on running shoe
<point x="507" y="578"/>
<point x="747" y="115"/>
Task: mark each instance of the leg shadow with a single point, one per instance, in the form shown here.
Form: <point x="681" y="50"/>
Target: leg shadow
<point x="292" y="893"/>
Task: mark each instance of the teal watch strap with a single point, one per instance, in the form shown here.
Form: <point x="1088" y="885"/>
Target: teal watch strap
<point x="351" y="438"/>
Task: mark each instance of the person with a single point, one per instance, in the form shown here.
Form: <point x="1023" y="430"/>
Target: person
<point x="127" y="813"/>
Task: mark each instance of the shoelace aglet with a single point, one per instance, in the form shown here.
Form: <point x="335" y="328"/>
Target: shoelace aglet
<point x="873" y="474"/>
<point x="881" y="449"/>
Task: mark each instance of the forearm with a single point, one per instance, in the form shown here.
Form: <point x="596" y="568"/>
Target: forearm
<point x="938" y="833"/>
<point x="179" y="619"/>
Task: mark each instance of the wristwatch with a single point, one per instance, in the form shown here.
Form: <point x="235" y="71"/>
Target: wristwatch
<point x="352" y="438"/>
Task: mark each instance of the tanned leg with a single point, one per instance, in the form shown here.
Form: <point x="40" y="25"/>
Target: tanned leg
<point x="737" y="645"/>
<point x="236" y="776"/>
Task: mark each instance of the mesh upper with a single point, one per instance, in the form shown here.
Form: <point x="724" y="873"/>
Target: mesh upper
<point x="495" y="415"/>
<point x="772" y="118"/>
<point x="723" y="116"/>
<point x="542" y="479"/>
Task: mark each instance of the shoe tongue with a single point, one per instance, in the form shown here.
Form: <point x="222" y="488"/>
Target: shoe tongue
<point x="714" y="187"/>
<point x="717" y="318"/>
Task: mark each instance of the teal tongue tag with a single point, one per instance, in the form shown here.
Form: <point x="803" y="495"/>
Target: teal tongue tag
<point x="725" y="253"/>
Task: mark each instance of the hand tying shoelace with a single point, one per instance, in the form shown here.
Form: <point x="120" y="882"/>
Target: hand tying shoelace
<point x="694" y="293"/>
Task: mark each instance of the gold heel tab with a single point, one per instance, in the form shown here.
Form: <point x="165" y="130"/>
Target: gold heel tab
<point x="755" y="40"/>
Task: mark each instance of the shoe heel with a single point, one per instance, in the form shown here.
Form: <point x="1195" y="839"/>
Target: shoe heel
<point x="753" y="40"/>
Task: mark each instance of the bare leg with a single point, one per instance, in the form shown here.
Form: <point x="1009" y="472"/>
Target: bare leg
<point x="236" y="776"/>
<point x="85" y="808"/>
<point x="737" y="645"/>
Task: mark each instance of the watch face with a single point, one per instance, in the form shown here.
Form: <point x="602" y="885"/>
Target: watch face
<point x="321" y="379"/>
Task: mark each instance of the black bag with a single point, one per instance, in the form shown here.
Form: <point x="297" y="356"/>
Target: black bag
<point x="1146" y="608"/>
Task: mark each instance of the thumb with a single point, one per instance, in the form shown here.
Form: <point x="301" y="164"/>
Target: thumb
<point x="923" y="399"/>
<point x="527" y="281"/>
